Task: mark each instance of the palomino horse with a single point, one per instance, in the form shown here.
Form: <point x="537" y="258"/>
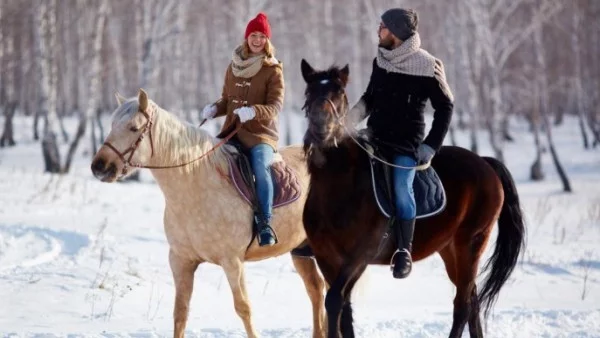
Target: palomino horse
<point x="205" y="219"/>
<point x="345" y="227"/>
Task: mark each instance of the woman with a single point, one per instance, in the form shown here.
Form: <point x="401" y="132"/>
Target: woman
<point x="253" y="96"/>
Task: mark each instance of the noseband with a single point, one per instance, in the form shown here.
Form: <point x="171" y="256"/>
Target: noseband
<point x="132" y="148"/>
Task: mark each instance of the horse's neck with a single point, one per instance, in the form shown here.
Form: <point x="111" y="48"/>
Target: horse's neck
<point x="338" y="160"/>
<point x="176" y="143"/>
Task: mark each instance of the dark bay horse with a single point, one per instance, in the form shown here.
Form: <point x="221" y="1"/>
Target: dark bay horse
<point x="345" y="227"/>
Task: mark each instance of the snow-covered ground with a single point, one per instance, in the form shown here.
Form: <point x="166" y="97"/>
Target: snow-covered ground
<point x="83" y="258"/>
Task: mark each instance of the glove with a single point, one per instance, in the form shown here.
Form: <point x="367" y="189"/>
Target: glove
<point x="424" y="153"/>
<point x="245" y="113"/>
<point x="209" y="111"/>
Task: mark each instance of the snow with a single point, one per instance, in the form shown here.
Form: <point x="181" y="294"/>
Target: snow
<point x="81" y="258"/>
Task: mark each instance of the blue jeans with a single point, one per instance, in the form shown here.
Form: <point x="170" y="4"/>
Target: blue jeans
<point x="406" y="208"/>
<point x="261" y="157"/>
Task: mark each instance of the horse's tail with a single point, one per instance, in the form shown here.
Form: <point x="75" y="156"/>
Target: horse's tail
<point x="510" y="242"/>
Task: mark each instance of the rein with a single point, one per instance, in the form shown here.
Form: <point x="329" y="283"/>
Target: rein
<point x="148" y="129"/>
<point x="371" y="153"/>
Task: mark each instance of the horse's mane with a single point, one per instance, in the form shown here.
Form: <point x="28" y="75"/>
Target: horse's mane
<point x="185" y="142"/>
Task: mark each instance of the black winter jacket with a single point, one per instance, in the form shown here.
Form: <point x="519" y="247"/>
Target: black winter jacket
<point x="395" y="104"/>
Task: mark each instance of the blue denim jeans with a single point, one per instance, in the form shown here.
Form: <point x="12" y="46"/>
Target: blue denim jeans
<point x="406" y="208"/>
<point x="261" y="157"/>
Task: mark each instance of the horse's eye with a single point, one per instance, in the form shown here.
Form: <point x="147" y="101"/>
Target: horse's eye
<point x="134" y="129"/>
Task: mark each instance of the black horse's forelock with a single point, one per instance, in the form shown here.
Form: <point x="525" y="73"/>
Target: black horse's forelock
<point x="333" y="74"/>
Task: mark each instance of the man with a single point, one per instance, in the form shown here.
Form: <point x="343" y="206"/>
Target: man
<point x="404" y="77"/>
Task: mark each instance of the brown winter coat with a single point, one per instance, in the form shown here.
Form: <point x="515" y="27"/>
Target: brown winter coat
<point x="263" y="92"/>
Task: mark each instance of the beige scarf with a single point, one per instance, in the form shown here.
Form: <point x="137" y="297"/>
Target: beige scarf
<point x="410" y="59"/>
<point x="246" y="68"/>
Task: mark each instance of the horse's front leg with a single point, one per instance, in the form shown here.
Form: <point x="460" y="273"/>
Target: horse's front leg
<point x="234" y="270"/>
<point x="183" y="276"/>
<point x="314" y="283"/>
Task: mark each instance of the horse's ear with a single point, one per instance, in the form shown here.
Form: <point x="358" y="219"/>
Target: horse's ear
<point x="307" y="70"/>
<point x="344" y="73"/>
<point x="143" y="100"/>
<point x="120" y="99"/>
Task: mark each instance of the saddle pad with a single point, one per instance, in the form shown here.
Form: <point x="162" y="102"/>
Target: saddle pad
<point x="286" y="185"/>
<point x="430" y="197"/>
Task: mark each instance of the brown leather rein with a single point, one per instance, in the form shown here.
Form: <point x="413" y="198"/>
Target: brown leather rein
<point x="148" y="129"/>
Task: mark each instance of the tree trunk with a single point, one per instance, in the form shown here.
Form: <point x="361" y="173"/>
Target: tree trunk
<point x="505" y="129"/>
<point x="473" y="139"/>
<point x="36" y="122"/>
<point x="100" y="138"/>
<point x="559" y="168"/>
<point x="46" y="24"/>
<point x="50" y="153"/>
<point x="63" y="129"/>
<point x="576" y="53"/>
<point x="537" y="172"/>
<point x="73" y="147"/>
<point x="584" y="135"/>
<point x="7" y="138"/>
<point x="542" y="90"/>
<point x="452" y="133"/>
<point x="498" y="153"/>
<point x="93" y="77"/>
<point x="93" y="137"/>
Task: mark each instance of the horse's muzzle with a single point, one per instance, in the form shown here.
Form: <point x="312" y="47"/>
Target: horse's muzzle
<point x="105" y="172"/>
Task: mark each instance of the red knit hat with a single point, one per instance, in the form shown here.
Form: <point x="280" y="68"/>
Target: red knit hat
<point x="259" y="24"/>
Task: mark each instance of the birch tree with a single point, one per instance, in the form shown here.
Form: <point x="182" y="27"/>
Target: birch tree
<point x="93" y="74"/>
<point x="542" y="90"/>
<point x="7" y="82"/>
<point x="577" y="81"/>
<point x="499" y="39"/>
<point x="45" y="36"/>
<point x="155" y="18"/>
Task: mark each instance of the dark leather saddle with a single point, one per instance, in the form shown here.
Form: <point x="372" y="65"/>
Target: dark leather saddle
<point x="430" y="196"/>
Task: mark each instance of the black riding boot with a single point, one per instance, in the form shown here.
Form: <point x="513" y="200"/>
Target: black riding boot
<point x="266" y="234"/>
<point x="401" y="263"/>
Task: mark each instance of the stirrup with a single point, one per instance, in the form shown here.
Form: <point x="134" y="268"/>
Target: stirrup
<point x="394" y="256"/>
<point x="272" y="232"/>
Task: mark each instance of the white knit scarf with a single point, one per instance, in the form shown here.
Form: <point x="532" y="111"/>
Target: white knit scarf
<point x="409" y="58"/>
<point x="249" y="67"/>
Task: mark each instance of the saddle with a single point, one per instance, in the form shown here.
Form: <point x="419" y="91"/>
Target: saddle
<point x="430" y="196"/>
<point x="287" y="188"/>
<point x="286" y="185"/>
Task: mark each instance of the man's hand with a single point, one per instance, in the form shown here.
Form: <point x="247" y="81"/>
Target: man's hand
<point x="424" y="153"/>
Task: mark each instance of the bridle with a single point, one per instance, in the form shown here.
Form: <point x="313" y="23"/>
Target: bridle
<point x="370" y="152"/>
<point x="148" y="129"/>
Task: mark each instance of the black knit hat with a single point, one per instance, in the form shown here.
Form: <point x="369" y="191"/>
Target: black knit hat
<point x="401" y="22"/>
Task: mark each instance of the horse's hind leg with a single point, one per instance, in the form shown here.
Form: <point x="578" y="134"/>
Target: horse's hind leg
<point x="183" y="276"/>
<point x="475" y="329"/>
<point x="234" y="270"/>
<point x="314" y="283"/>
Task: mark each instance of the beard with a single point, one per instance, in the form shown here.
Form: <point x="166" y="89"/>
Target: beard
<point x="386" y="43"/>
